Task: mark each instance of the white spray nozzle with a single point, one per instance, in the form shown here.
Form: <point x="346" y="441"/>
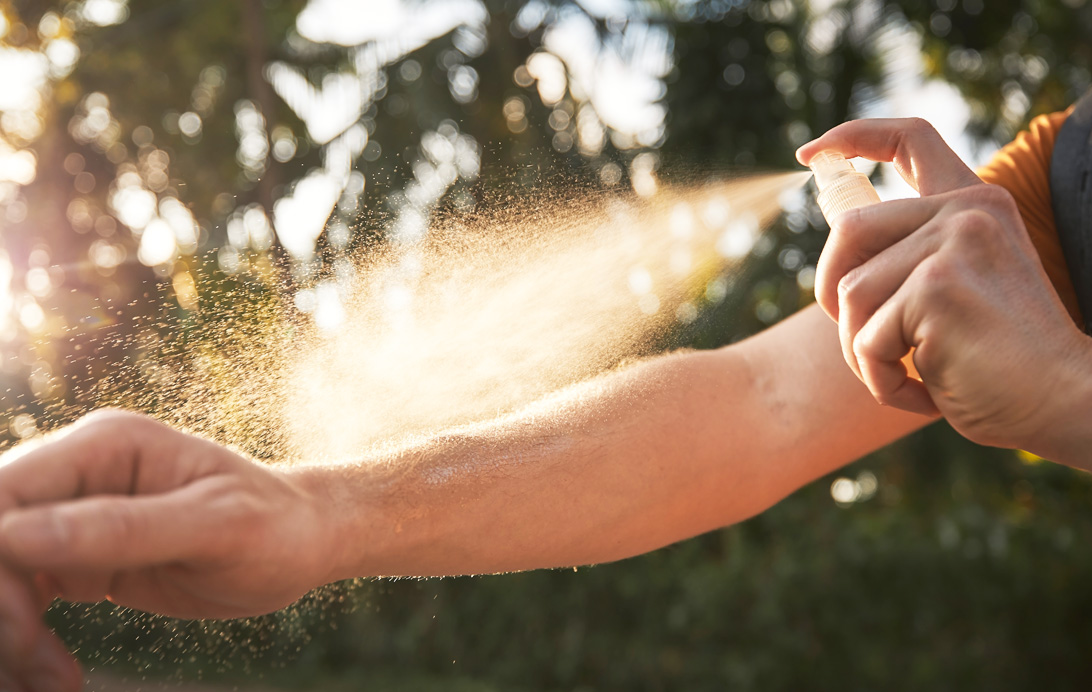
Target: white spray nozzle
<point x="841" y="186"/>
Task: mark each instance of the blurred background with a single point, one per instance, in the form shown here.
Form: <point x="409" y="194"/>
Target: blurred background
<point x="170" y="168"/>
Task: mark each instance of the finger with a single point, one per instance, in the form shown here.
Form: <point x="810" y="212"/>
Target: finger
<point x="115" y="532"/>
<point x="879" y="348"/>
<point x="50" y="668"/>
<point x="20" y="622"/>
<point x="61" y="464"/>
<point x="862" y="291"/>
<point x="919" y="153"/>
<point x="859" y="234"/>
<point x="108" y="452"/>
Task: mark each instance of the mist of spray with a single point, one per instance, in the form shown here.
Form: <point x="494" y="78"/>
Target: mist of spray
<point x="493" y="313"/>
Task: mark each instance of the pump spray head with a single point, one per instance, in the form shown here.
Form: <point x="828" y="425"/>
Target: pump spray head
<point x="841" y="186"/>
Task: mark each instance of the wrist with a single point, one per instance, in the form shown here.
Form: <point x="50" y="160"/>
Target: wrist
<point x="323" y="538"/>
<point x="350" y="536"/>
<point x="1067" y="436"/>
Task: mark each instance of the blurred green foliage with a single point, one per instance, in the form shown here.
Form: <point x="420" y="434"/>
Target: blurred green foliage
<point x="965" y="568"/>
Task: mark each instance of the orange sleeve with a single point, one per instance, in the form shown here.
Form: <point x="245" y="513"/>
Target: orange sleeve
<point x="1023" y="168"/>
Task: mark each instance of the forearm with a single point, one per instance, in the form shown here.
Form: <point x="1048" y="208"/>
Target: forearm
<point x="633" y="461"/>
<point x="600" y="472"/>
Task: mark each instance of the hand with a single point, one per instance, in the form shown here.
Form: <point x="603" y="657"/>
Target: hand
<point x="124" y="508"/>
<point x="953" y="276"/>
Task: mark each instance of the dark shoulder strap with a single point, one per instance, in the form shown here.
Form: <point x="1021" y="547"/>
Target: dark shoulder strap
<point x="1071" y="197"/>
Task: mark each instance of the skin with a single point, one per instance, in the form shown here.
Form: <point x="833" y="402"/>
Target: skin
<point x="953" y="276"/>
<point x="124" y="508"/>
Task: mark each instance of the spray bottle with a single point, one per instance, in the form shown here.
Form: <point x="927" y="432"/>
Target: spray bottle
<point x="841" y="186"/>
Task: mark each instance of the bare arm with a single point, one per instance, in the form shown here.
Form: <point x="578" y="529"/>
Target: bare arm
<point x="122" y="507"/>
<point x="635" y="460"/>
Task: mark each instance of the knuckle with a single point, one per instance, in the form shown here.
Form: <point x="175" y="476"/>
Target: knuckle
<point x="996" y="195"/>
<point x="850" y="290"/>
<point x="926" y="358"/>
<point x="67" y="535"/>
<point x="920" y="127"/>
<point x="840" y="132"/>
<point x="113" y="435"/>
<point x="975" y="228"/>
<point x="995" y="199"/>
<point x="108" y="416"/>
<point x="122" y="427"/>
<point x="119" y="523"/>
<point x="935" y="278"/>
<point x="116" y="421"/>
<point x="848" y="226"/>
<point x="861" y="347"/>
<point x="849" y="285"/>
<point x="883" y="397"/>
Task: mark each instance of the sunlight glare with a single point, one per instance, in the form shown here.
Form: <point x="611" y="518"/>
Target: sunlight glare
<point x="352" y="23"/>
<point x="19" y="167"/>
<point x="22" y="77"/>
<point x="300" y="216"/>
<point x="132" y="204"/>
<point x="104" y="12"/>
<point x="157" y="243"/>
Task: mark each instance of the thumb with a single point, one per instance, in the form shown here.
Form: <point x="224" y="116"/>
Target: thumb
<point x="919" y="153"/>
<point x="112" y="532"/>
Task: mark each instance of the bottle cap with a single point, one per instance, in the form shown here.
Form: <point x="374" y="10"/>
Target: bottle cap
<point x="841" y="186"/>
<point x="828" y="166"/>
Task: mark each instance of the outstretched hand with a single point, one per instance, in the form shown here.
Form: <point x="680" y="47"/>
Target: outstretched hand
<point x="954" y="277"/>
<point x="124" y="508"/>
